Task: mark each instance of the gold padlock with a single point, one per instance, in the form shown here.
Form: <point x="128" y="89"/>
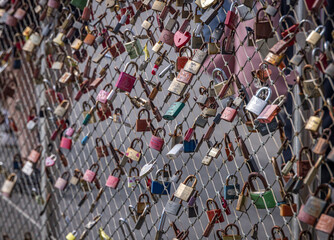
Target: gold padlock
<point x="314" y="121"/>
<point x="59" y="39"/>
<point x="76" y="44"/>
<point x="192" y="67"/>
<point x="177" y="87"/>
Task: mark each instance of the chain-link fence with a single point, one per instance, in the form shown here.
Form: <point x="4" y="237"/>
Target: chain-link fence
<point x="75" y="60"/>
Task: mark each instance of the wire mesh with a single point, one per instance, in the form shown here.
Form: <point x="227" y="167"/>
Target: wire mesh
<point x="70" y="210"/>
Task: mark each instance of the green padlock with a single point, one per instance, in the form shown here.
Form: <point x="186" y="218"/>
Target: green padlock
<point x="133" y="47"/>
<point x="71" y="235"/>
<point x="176" y="108"/>
<point x="262" y="198"/>
<point x="89" y="117"/>
<point x="81" y="4"/>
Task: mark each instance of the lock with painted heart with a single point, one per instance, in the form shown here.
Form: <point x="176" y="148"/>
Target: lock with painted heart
<point x="91" y="173"/>
<point x="77" y="175"/>
<point x="172" y="207"/>
<point x="256" y="104"/>
<point x="101" y="149"/>
<point x="231" y="190"/>
<point x="62" y="181"/>
<point x="184" y="192"/>
<point x="174" y="110"/>
<point x="287" y="207"/>
<point x="182" y="37"/>
<point x="262" y="198"/>
<point x="126" y="81"/>
<point x="143" y="125"/>
<point x="9" y="185"/>
<point x="114" y="179"/>
<point x="50" y="160"/>
<point x="262" y="27"/>
<point x="190" y="145"/>
<point x="322" y="144"/>
<point x="160" y="186"/>
<point x="182" y="60"/>
<point x="156" y="141"/>
<point x="35" y="154"/>
<point x="142" y="203"/>
<point x="211" y="212"/>
<point x="279" y="230"/>
<point x="133" y="154"/>
<point x="243" y="199"/>
<point x="133" y="179"/>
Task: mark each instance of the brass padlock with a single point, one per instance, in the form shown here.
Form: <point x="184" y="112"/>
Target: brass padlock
<point x="314" y="122"/>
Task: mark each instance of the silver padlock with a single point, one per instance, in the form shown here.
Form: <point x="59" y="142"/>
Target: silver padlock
<point x="314" y="37"/>
<point x="256" y="104"/>
<point x="28" y="168"/>
<point x="130" y="235"/>
<point x="246" y="13"/>
<point x="330" y="70"/>
<point x="175" y="151"/>
<point x="301" y="35"/>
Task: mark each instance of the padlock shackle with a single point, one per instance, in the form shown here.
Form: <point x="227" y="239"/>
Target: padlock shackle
<point x="190" y="178"/>
<point x="278" y="230"/>
<point x="107" y="86"/>
<point x="132" y="169"/>
<point x="288" y="198"/>
<point x="279" y="100"/>
<point x="94" y="165"/>
<point x="99" y="140"/>
<point x="65" y="175"/>
<point x="38" y="148"/>
<point x="227" y="139"/>
<point x="167" y="168"/>
<point x="264" y="89"/>
<point x="231" y="176"/>
<point x="221" y="71"/>
<point x="178" y="131"/>
<point x="85" y="104"/>
<point x="305" y="233"/>
<point x="184" y="49"/>
<point x="143" y="195"/>
<point x="244" y="188"/>
<point x="326" y="187"/>
<point x="253" y="176"/>
<point x="144" y="111"/>
<point x="263" y="17"/>
<point x="12" y="177"/>
<point x="220" y="233"/>
<point x="118" y="111"/>
<point x="283" y="18"/>
<point x="159" y="129"/>
<point x="326" y="133"/>
<point x="230" y="226"/>
<point x="78" y="173"/>
<point x="117" y="169"/>
<point x="211" y="201"/>
<point x="136" y="140"/>
<point x="203" y="90"/>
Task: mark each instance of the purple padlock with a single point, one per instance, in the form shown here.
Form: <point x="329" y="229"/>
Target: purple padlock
<point x="157" y="142"/>
<point x="90" y="175"/>
<point x="62" y="181"/>
<point x="126" y="81"/>
<point x="192" y="199"/>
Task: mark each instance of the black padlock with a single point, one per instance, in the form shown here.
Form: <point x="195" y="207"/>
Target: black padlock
<point x="193" y="211"/>
<point x="251" y="165"/>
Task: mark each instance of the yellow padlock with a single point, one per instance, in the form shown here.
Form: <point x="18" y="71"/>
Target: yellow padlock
<point x="71" y="235"/>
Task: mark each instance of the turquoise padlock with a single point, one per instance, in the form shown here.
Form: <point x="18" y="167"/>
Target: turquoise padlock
<point x="81" y="4"/>
<point x="176" y="108"/>
<point x="88" y="116"/>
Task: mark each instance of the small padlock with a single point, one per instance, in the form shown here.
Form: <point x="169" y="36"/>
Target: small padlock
<point x="90" y="175"/>
<point x="62" y="181"/>
<point x="231" y="191"/>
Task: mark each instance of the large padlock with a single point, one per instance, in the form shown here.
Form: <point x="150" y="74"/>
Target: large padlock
<point x="141" y="204"/>
<point x="262" y="198"/>
<point x="9" y="185"/>
<point x="314" y="37"/>
<point x="133" y="47"/>
<point x="256" y="104"/>
<point x="231" y="191"/>
<point x="326" y="221"/>
<point x="143" y="125"/>
<point x="243" y="199"/>
<point x="184" y="192"/>
<point x="310" y="212"/>
<point x="211" y="212"/>
<point x="236" y="234"/>
<point x="35" y="154"/>
<point x="277" y="229"/>
<point x="262" y="27"/>
<point x="160" y="186"/>
<point x="101" y="148"/>
<point x="113" y="180"/>
<point x="62" y="108"/>
<point x="133" y="154"/>
<point x="90" y="175"/>
<point x="126" y="81"/>
<point x="304" y="165"/>
<point x="156" y="141"/>
<point x="62" y="181"/>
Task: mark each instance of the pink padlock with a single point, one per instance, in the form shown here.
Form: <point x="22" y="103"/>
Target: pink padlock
<point x="126" y="81"/>
<point x="66" y="143"/>
<point x="112" y="180"/>
<point x="11" y="21"/>
<point x="102" y="97"/>
<point x="90" y="175"/>
<point x="70" y="131"/>
<point x="189" y="133"/>
<point x="53" y="4"/>
<point x="157" y="142"/>
<point x="50" y="160"/>
<point x="62" y="181"/>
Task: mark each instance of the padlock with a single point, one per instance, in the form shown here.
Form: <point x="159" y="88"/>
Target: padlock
<point x="314" y="37"/>
<point x="177" y="136"/>
<point x="89" y="116"/>
<point x="232" y="18"/>
<point x="176" y="87"/>
<point x="174" y="110"/>
<point x="156" y="141"/>
<point x="176" y="150"/>
<point x="210" y="226"/>
<point x="62" y="108"/>
<point x="320" y="59"/>
<point x="72" y="235"/>
<point x="186" y="10"/>
<point x="9" y="185"/>
<point x="160" y="186"/>
<point x="314" y="122"/>
<point x="126" y="81"/>
<point x="311" y="83"/>
<point x="287" y="207"/>
<point x="271" y="9"/>
<point x="117" y="116"/>
<point x="65" y="143"/>
<point x="304" y="165"/>
<point x="184" y="192"/>
<point x="157" y="46"/>
<point x="143" y="125"/>
<point x="113" y="180"/>
<point x="190" y="145"/>
<point x="101" y="149"/>
<point x="277" y="229"/>
<point x="172" y="207"/>
<point x="59" y="39"/>
<point x="142" y="204"/>
<point x="326" y="221"/>
<point x="62" y="181"/>
<point x="213" y="47"/>
<point x="192" y="67"/>
<point x="90" y="38"/>
<point x="243" y="199"/>
<point x="322" y="144"/>
<point x="246" y="13"/>
<point x="270" y="111"/>
<point x="211" y="212"/>
<point x="262" y="198"/>
<point x="182" y="37"/>
<point x="182" y="60"/>
<point x="133" y="154"/>
<point x="218" y="32"/>
<point x="28" y="168"/>
<point x="256" y="104"/>
<point x="236" y="234"/>
<point x="215" y="150"/>
<point x="76" y="177"/>
<point x="262" y="27"/>
<point x="223" y="88"/>
<point x="310" y="212"/>
<point x="229" y="113"/>
<point x="81" y="4"/>
<point x="90" y="175"/>
<point x="85" y="16"/>
<point x="147" y="23"/>
<point x="158" y="5"/>
<point x="229" y="149"/>
<point x="210" y="13"/>
<point x="59" y="63"/>
<point x="116" y="49"/>
<point x="133" y="47"/>
<point x="133" y="180"/>
<point x="231" y="191"/>
<point x="35" y="154"/>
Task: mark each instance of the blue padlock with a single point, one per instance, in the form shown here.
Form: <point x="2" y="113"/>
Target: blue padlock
<point x="231" y="191"/>
<point x="190" y="146"/>
<point x="85" y="139"/>
<point x="160" y="187"/>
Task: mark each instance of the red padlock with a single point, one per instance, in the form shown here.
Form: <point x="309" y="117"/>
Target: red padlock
<point x="225" y="206"/>
<point x="182" y="37"/>
<point x="103" y="111"/>
<point x="130" y="11"/>
<point x="211" y="212"/>
<point x="189" y="133"/>
<point x="232" y="18"/>
<point x="126" y="81"/>
<point x="157" y="142"/>
<point x="90" y="175"/>
<point x="115" y="49"/>
<point x="293" y="29"/>
<point x="66" y="143"/>
<point x="182" y="60"/>
<point x="321" y="59"/>
<point x="113" y="180"/>
<point x="87" y="11"/>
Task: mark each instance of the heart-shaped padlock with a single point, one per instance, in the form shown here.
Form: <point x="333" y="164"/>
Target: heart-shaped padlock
<point x="50" y="160"/>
